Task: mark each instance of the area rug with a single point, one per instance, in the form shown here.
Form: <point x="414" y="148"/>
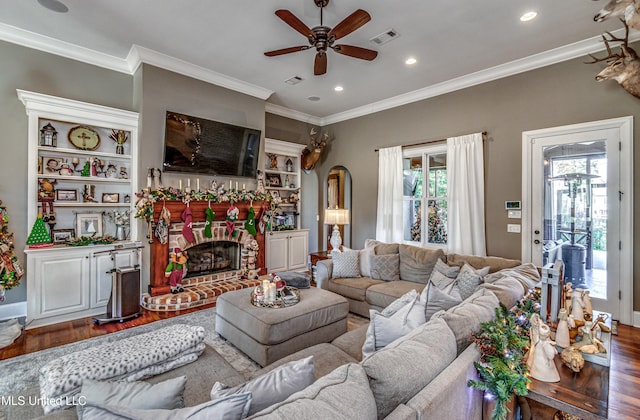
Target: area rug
<point x="20" y="374"/>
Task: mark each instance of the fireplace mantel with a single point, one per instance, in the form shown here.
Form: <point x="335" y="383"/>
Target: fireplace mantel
<point x="160" y="252"/>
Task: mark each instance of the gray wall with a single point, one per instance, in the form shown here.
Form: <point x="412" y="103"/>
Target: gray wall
<point x="28" y="69"/>
<point x="158" y="91"/>
<point x="561" y="94"/>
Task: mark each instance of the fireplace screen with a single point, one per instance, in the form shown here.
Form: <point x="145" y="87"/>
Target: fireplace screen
<point x="213" y="257"/>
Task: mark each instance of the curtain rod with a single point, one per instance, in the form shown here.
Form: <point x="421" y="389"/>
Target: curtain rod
<point x="484" y="134"/>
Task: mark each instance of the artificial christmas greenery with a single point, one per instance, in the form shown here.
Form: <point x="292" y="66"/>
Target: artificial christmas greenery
<point x="10" y="269"/>
<point x="503" y="343"/>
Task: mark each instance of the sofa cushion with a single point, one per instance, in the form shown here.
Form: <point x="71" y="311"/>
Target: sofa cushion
<point x="494" y="263"/>
<point x="369" y="344"/>
<point x="352" y="341"/>
<point x="166" y="395"/>
<point x="346" y="264"/>
<point x="397" y="372"/>
<point x="382" y="294"/>
<point x="433" y="299"/>
<point x="385" y="267"/>
<point x="507" y="289"/>
<point x="352" y="288"/>
<point x="384" y="249"/>
<point x="466" y="318"/>
<point x="231" y="407"/>
<point x="272" y="387"/>
<point x="527" y="274"/>
<point x="335" y="396"/>
<point x="416" y="263"/>
<point x="469" y="279"/>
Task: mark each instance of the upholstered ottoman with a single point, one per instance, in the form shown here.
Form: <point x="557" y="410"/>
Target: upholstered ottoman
<point x="266" y="334"/>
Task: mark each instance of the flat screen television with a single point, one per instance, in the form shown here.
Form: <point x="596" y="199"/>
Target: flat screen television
<point x="196" y="145"/>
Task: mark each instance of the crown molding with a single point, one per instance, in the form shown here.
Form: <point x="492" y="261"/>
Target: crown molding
<point x="138" y="55"/>
<point x="62" y="48"/>
<point x="293" y="114"/>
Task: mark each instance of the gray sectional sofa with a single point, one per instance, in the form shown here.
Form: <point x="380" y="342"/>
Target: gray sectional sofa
<point x="421" y="375"/>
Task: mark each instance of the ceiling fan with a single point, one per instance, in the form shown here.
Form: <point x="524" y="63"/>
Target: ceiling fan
<point x="322" y="37"/>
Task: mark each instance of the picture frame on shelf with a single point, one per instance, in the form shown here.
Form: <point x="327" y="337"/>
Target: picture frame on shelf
<point x="110" y="197"/>
<point x="60" y="236"/>
<point x="89" y="224"/>
<point x="51" y="165"/>
<point x="67" y="195"/>
<point x="274" y="180"/>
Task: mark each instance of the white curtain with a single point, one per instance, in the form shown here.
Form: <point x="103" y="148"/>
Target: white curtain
<point x="389" y="224"/>
<point x="465" y="185"/>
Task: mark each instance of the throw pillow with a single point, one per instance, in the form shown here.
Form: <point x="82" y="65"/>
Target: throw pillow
<point x="231" y="407"/>
<point x="469" y="279"/>
<point x="166" y="395"/>
<point x="385" y="267"/>
<point x="345" y="264"/>
<point x="416" y="263"/>
<point x="295" y="279"/>
<point x="443" y="276"/>
<point x="272" y="387"/>
<point x="433" y="300"/>
<point x="366" y="256"/>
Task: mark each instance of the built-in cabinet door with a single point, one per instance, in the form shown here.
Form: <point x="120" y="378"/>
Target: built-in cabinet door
<point x="298" y="250"/>
<point x="103" y="266"/>
<point x="277" y="252"/>
<point x="62" y="284"/>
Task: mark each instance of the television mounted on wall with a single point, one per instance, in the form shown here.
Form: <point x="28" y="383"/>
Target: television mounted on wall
<point x="201" y="146"/>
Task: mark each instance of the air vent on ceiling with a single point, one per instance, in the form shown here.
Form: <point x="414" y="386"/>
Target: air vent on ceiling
<point x="294" y="80"/>
<point x="385" y="37"/>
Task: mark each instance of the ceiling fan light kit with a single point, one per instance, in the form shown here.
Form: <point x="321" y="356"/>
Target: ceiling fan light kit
<point x="322" y="37"/>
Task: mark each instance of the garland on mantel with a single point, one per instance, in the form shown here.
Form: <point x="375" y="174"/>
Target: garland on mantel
<point x="147" y="197"/>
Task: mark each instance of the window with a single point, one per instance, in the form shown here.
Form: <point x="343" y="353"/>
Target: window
<point x="425" y="196"/>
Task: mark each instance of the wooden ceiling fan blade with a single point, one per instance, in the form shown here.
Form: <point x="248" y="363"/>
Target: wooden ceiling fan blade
<point x="350" y="24"/>
<point x="291" y="20"/>
<point x="357" y="52"/>
<point x="320" y="64"/>
<point x="286" y="50"/>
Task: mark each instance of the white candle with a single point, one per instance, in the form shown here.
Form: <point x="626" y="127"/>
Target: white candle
<point x="243" y="187"/>
<point x="230" y="185"/>
<point x="236" y="185"/>
<point x="188" y="182"/>
<point x="197" y="184"/>
<point x="179" y="184"/>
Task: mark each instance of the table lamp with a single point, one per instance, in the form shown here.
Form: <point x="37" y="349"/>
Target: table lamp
<point x="336" y="217"/>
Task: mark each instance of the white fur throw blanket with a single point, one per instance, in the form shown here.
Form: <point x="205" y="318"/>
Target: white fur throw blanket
<point x="129" y="359"/>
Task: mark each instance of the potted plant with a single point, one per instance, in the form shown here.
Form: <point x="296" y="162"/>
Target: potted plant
<point x="502" y="369"/>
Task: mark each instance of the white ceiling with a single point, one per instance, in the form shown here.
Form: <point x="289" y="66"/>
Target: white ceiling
<point x="457" y="44"/>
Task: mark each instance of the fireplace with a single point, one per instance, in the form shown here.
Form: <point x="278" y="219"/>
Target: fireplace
<point x="219" y="257"/>
<point x="213" y="257"/>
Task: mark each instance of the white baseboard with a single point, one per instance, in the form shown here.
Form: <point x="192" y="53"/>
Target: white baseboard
<point x="16" y="310"/>
<point x="636" y="319"/>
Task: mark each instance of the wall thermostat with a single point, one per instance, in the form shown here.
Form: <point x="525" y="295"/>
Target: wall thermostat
<point x="512" y="205"/>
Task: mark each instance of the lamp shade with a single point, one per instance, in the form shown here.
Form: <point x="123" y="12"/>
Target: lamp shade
<point x="336" y="216"/>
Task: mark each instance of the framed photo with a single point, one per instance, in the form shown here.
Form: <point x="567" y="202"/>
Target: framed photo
<point x="60" y="236"/>
<point x="89" y="224"/>
<point x="51" y="165"/>
<point x="66" y="195"/>
<point x="110" y="197"/>
<point x="274" y="180"/>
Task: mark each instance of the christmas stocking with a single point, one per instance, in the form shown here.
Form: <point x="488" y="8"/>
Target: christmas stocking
<point x="232" y="216"/>
<point x="162" y="228"/>
<point x="209" y="216"/>
<point x="261" y="223"/>
<point x="187" y="229"/>
<point x="250" y="224"/>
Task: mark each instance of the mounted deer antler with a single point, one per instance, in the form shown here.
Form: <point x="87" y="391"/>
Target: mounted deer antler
<point x="623" y="67"/>
<point x="629" y="9"/>
<point x="311" y="154"/>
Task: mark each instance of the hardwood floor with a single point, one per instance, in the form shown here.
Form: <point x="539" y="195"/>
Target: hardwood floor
<point x="624" y="385"/>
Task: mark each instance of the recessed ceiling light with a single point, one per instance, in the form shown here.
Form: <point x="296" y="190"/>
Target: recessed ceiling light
<point x="338" y="88"/>
<point x="409" y="61"/>
<point x="314" y="98"/>
<point x="54" y="5"/>
<point x="528" y="16"/>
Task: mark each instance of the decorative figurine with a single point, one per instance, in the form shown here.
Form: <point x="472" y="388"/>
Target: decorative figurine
<point x="562" y="330"/>
<point x="47" y="194"/>
<point x="543" y="350"/>
<point x="176" y="270"/>
<point x="65" y="169"/>
<point x="157" y="179"/>
<point x="577" y="304"/>
<point x="120" y="137"/>
<point x="260" y="189"/>
<point x="289" y="164"/>
<point x="572" y="359"/>
<point x="273" y="163"/>
<point x="111" y="171"/>
<point x="123" y="173"/>
<point x="586" y="300"/>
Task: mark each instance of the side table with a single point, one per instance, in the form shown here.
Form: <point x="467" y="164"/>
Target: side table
<point x="315" y="257"/>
